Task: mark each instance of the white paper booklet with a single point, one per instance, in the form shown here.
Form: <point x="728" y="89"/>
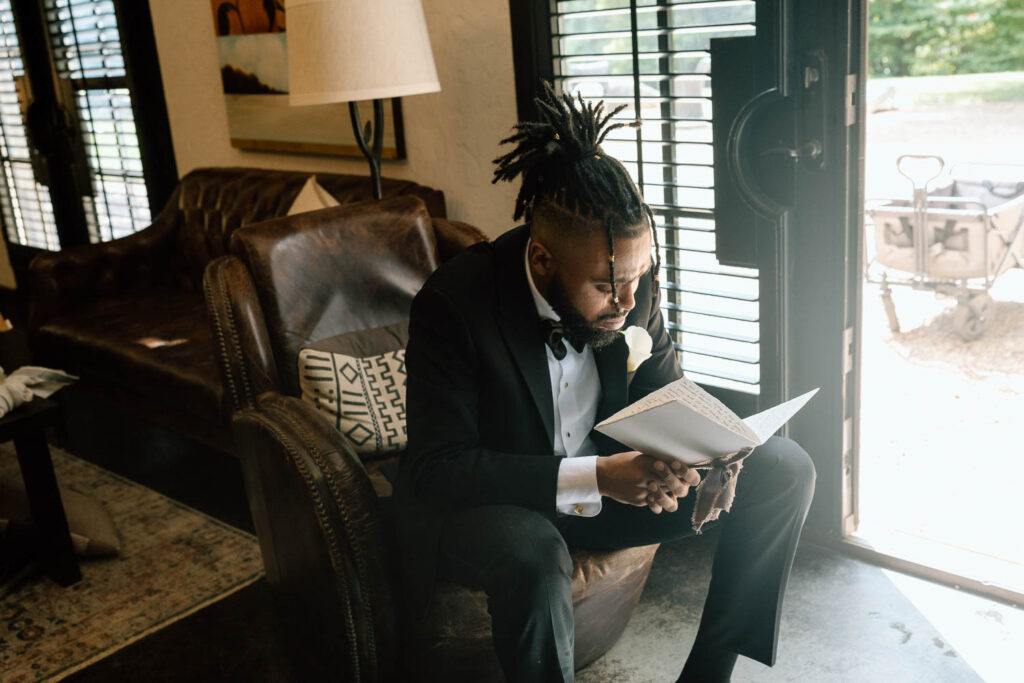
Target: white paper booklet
<point x="684" y="422"/>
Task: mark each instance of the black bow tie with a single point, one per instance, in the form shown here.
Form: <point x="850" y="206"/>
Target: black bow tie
<point x="554" y="334"/>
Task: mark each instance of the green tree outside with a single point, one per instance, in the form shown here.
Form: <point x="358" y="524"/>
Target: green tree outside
<point x="928" y="38"/>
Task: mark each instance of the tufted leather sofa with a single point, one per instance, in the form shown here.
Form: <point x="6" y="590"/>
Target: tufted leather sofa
<point x="91" y="307"/>
<point x="322" y="513"/>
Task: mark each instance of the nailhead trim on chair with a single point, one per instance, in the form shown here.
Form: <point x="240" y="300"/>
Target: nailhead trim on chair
<point x="237" y="343"/>
<point x="219" y="333"/>
<point x="320" y="459"/>
<point x="332" y="542"/>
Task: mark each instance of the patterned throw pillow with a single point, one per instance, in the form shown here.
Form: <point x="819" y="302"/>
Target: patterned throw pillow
<point x="363" y="395"/>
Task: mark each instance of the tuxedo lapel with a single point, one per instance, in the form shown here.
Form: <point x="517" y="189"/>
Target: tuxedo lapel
<point x="520" y="324"/>
<point x="611" y="369"/>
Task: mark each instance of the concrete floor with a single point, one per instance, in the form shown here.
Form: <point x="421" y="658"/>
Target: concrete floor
<point x="843" y="621"/>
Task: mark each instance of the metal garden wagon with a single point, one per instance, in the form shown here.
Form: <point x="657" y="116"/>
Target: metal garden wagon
<point x="972" y="233"/>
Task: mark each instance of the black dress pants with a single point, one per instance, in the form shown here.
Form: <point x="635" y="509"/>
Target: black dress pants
<point x="520" y="559"/>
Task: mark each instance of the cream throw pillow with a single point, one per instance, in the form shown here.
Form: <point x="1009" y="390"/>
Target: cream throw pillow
<point x="312" y="197"/>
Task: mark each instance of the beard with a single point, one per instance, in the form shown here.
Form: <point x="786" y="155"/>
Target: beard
<point x="578" y="329"/>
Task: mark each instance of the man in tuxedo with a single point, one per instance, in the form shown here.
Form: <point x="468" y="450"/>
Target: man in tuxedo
<point x="515" y="353"/>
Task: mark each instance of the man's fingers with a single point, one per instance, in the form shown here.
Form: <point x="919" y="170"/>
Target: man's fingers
<point x="690" y="476"/>
<point x="654" y="503"/>
<point x="658" y="484"/>
<point x="668" y="481"/>
<point x="660" y="500"/>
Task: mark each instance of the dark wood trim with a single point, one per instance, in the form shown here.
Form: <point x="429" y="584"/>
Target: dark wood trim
<point x="272" y="146"/>
<point x="532" y="56"/>
<point x="149" y="107"/>
<point x="15" y="302"/>
<point x="818" y="245"/>
<point x="861" y="550"/>
<point x="14" y="306"/>
<point x="20" y="256"/>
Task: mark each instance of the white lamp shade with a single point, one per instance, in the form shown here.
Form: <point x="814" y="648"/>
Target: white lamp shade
<point x="351" y="50"/>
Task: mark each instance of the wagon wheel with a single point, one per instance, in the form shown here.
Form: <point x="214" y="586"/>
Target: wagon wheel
<point x="984" y="308"/>
<point x="972" y="318"/>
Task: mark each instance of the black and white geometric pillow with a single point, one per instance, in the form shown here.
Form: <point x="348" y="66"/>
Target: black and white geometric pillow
<point x="363" y="397"/>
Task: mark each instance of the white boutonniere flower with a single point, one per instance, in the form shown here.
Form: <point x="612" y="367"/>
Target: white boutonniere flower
<point x="639" y="343"/>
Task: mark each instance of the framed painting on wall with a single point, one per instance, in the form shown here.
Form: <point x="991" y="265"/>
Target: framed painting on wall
<point x="253" y="50"/>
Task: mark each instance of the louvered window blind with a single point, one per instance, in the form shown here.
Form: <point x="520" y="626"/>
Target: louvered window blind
<point x="87" y="52"/>
<point x="654" y="57"/>
<point x="24" y="203"/>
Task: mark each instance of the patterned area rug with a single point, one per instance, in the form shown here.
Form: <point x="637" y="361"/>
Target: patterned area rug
<point x="173" y="562"/>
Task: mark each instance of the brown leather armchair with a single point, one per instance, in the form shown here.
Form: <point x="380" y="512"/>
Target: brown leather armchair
<point x="321" y="512"/>
<point x="94" y="307"/>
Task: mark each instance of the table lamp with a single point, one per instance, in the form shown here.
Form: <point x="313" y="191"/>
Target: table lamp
<point x="352" y="50"/>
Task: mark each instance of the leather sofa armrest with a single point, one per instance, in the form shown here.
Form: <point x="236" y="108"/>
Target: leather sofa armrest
<point x="454" y="236"/>
<point x="240" y="339"/>
<point x="322" y="539"/>
<point x="64" y="280"/>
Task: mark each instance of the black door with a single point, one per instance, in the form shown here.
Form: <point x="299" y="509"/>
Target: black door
<point x="788" y="192"/>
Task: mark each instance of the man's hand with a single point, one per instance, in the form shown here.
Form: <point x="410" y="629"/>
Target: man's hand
<point x="637" y="479"/>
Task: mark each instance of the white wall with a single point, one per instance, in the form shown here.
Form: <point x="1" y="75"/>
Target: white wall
<point x="451" y="136"/>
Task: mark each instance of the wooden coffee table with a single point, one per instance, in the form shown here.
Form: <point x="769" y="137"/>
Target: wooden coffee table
<point x="24" y="425"/>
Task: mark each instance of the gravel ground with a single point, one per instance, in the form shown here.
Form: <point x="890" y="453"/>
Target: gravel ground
<point x="941" y="423"/>
<point x="940" y="449"/>
<point x="999" y="351"/>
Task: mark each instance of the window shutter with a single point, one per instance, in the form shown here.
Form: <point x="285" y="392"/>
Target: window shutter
<point x="24" y="203"/>
<point x="654" y="57"/>
<point x="87" y="53"/>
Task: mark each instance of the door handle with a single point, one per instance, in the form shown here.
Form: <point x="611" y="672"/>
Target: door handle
<point x="810" y="150"/>
<point x="813" y="117"/>
<point x="756" y="180"/>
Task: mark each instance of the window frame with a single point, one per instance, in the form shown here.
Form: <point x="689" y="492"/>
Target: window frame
<point x="149" y="110"/>
<point x="533" y="60"/>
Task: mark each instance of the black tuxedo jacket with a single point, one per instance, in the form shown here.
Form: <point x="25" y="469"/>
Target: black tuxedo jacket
<point x="480" y="412"/>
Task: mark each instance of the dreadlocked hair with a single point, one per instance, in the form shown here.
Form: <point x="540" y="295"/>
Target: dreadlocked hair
<point x="560" y="161"/>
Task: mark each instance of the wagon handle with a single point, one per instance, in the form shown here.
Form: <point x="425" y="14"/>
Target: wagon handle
<point x="920" y="208"/>
<point x="913" y="179"/>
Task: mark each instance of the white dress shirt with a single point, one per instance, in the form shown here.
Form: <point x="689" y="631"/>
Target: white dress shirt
<point x="576" y="391"/>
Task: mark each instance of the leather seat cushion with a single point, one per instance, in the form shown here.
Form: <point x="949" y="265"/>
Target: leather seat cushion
<point x="101" y="341"/>
<point x="455" y="637"/>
